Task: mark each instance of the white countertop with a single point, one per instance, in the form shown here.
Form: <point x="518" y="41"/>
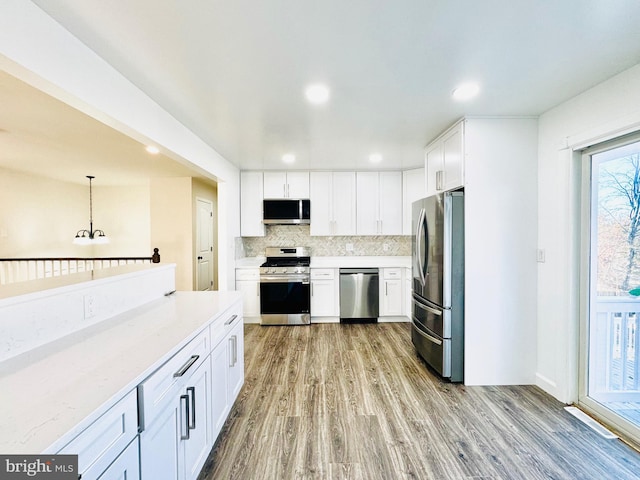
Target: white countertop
<point x="62" y="387"/>
<point x="250" y="262"/>
<point x="339" y="262"/>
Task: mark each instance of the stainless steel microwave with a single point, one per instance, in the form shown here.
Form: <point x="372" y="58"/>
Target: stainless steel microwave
<point x="286" y="211"/>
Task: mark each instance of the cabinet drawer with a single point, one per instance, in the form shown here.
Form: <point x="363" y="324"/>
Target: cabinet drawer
<point x="221" y="327"/>
<point x="323" y="273"/>
<point x="161" y="386"/>
<point x="247" y="274"/>
<point x="104" y="439"/>
<point x="392" y="273"/>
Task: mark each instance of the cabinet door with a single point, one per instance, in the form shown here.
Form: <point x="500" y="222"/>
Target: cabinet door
<point x="197" y="446"/>
<point x="250" y="290"/>
<point x="321" y="203"/>
<point x="251" y="196"/>
<point x="219" y="387"/>
<point x="275" y="185"/>
<point x="298" y="184"/>
<point x="434" y="166"/>
<point x="344" y="203"/>
<point x="390" y="198"/>
<point x="160" y="445"/>
<point x="126" y="466"/>
<point x="324" y="302"/>
<point x="367" y="203"/>
<point x="235" y="357"/>
<point x="453" y="158"/>
<point x="391" y="298"/>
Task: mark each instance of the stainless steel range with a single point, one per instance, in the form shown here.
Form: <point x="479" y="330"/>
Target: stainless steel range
<point x="285" y="291"/>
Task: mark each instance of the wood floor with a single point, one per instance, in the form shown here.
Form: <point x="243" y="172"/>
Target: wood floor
<point x="334" y="401"/>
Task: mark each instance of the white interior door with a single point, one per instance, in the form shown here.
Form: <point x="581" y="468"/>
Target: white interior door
<point x="204" y="244"/>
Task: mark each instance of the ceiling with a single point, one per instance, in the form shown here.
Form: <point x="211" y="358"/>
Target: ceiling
<point x="234" y="71"/>
<point x="42" y="136"/>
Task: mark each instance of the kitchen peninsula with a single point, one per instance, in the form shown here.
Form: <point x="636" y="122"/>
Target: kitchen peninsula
<point x="99" y="390"/>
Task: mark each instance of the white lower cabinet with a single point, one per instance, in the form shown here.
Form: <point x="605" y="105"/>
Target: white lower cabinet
<point x="105" y="439"/>
<point x="219" y="382"/>
<point x="235" y="357"/>
<point x="391" y="287"/>
<point x="248" y="284"/>
<point x="126" y="466"/>
<point x="325" y="293"/>
<point x="176" y="441"/>
<point x="185" y="403"/>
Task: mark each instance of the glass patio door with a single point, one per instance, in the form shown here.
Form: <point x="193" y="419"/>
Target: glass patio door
<point x="611" y="334"/>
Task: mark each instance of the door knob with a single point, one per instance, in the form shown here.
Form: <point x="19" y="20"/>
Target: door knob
<point x="199" y="258"/>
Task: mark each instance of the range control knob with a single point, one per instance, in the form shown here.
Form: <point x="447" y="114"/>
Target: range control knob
<point x="284" y="270"/>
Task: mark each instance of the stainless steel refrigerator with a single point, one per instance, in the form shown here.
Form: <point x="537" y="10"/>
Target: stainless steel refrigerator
<point x="437" y="329"/>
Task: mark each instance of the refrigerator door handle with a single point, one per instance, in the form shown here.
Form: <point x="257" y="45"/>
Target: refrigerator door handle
<point x="421" y="219"/>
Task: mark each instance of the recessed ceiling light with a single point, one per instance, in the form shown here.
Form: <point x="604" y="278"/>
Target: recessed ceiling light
<point x="375" y="158"/>
<point x="153" y="150"/>
<point x="466" y="91"/>
<point x="288" y="158"/>
<point x="317" y="93"/>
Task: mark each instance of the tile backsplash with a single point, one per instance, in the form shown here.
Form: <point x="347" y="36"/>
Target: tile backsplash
<point x="298" y="236"/>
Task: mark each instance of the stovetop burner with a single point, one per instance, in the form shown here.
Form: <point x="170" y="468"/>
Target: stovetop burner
<point x="286" y="260"/>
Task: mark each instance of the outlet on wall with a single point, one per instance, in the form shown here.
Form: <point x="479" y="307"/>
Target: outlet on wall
<point x="385" y="247"/>
<point x="89" y="306"/>
<point x="349" y="247"/>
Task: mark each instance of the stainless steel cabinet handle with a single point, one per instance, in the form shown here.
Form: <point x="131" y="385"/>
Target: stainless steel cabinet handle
<point x="231" y="351"/>
<point x="235" y="349"/>
<point x="230" y="321"/>
<point x="386" y="289"/>
<point x="185" y="435"/>
<point x="186" y="366"/>
<point x="192" y="419"/>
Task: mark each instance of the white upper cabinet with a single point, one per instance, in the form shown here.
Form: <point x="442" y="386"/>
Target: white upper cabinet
<point x="286" y="185"/>
<point x="379" y="203"/>
<point x="251" y="196"/>
<point x="333" y="203"/>
<point x="413" y="188"/>
<point x="444" y="161"/>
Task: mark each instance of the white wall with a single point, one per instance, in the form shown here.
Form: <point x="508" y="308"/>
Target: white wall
<point x="605" y="111"/>
<point x="39" y="217"/>
<point x="36" y="49"/>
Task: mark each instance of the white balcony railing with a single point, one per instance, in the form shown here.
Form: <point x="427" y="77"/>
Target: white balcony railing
<point x="14" y="270"/>
<point x="614" y="364"/>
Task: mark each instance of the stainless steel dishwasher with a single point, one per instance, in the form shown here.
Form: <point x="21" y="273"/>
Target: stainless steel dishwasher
<point x="359" y="294"/>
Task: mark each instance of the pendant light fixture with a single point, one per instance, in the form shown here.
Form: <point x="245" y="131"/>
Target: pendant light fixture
<point x="91" y="236"/>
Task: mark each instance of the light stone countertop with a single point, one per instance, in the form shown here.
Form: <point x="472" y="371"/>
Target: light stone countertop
<point x="52" y="393"/>
<point x="250" y="262"/>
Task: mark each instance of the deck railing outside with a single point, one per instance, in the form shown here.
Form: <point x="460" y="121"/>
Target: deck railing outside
<point x="615" y="356"/>
<point x="14" y="270"/>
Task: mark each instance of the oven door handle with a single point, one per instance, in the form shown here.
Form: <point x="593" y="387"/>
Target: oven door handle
<point x="304" y="279"/>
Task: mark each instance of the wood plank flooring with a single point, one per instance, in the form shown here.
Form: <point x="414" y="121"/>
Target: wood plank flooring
<point x="333" y="401"/>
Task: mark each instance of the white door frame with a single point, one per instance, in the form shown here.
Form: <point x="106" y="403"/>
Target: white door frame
<point x="202" y="253"/>
<point x="599" y="411"/>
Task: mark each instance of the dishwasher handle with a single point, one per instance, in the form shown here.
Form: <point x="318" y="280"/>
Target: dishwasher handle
<point x="365" y="271"/>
